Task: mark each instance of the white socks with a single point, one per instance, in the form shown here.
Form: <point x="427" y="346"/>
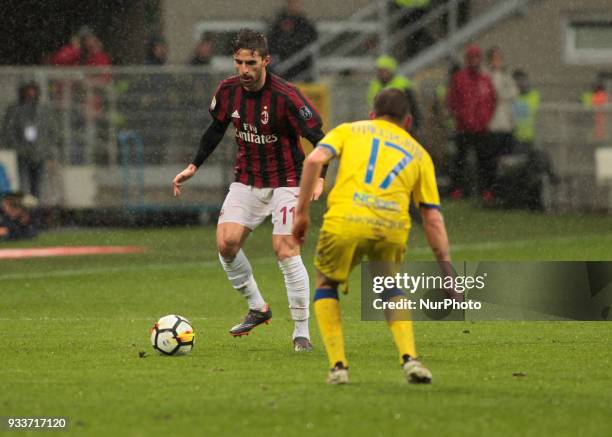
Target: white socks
<point x="240" y="274"/>
<point x="298" y="293"/>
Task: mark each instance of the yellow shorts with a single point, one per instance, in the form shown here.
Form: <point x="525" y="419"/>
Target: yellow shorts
<point x="336" y="255"/>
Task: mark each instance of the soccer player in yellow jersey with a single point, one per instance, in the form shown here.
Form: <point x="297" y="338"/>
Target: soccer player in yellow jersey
<point x="380" y="168"/>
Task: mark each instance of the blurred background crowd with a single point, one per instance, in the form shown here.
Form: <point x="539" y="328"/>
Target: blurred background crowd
<point x="91" y="126"/>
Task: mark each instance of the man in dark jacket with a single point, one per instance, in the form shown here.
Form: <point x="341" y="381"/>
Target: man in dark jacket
<point x="291" y="32"/>
<point x="31" y="129"/>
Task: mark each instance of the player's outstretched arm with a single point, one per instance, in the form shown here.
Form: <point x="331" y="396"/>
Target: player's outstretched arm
<point x="308" y="184"/>
<point x="182" y="177"/>
<point x="211" y="138"/>
<point x="435" y="231"/>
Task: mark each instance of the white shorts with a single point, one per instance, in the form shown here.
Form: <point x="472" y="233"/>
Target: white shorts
<point x="250" y="206"/>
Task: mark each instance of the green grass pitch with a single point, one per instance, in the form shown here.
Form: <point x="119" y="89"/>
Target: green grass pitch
<point x="73" y="327"/>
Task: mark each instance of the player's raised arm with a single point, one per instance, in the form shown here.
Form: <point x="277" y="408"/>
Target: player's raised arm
<point x="308" y="184"/>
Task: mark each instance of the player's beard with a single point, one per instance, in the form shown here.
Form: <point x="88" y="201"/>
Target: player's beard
<point x="251" y="83"/>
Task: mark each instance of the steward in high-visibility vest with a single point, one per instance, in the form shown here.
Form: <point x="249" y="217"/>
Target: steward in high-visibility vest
<point x="592" y="99"/>
<point x="386" y="77"/>
<point x="597" y="100"/>
<point x="413" y="3"/>
<point x="525" y="108"/>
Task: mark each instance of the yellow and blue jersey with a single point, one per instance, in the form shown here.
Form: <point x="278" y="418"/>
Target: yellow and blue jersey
<point x="380" y="167"/>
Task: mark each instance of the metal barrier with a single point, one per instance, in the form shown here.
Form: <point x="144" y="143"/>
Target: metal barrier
<point x="125" y="132"/>
<point x="132" y="158"/>
<point x="573" y="136"/>
<point x="131" y="129"/>
<point x="167" y="106"/>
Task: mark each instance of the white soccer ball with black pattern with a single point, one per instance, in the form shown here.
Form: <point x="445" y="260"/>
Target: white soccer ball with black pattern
<point x="172" y="335"/>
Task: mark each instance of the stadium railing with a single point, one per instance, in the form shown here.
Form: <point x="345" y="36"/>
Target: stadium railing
<point x="578" y="141"/>
<point x="123" y="133"/>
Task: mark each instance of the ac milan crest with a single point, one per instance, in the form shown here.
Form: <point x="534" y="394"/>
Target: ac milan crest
<point x="265" y="117"/>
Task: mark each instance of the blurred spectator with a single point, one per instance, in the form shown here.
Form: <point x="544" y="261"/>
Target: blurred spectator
<point x="521" y="176"/>
<point x="31" y="129"/>
<point x="525" y="109"/>
<point x="290" y="32"/>
<point x="87" y="97"/>
<point x="386" y="77"/>
<point x="472" y="100"/>
<point x="84" y="48"/>
<point x="440" y="109"/>
<point x="201" y="81"/>
<point x="158" y="101"/>
<point x="597" y="95"/>
<point x="156" y="51"/>
<point x="443" y="127"/>
<point x="203" y="52"/>
<point x="596" y="100"/>
<point x="411" y="12"/>
<point x="15" y="221"/>
<point x="501" y="125"/>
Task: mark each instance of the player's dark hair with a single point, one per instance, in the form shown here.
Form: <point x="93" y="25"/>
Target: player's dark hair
<point x="392" y="103"/>
<point x="249" y="39"/>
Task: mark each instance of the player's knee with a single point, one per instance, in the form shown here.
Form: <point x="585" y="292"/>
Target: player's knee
<point x="323" y="281"/>
<point x="284" y="250"/>
<point x="282" y="254"/>
<point x="228" y="247"/>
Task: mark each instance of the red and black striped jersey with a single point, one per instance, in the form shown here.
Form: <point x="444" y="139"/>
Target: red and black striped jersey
<point x="268" y="124"/>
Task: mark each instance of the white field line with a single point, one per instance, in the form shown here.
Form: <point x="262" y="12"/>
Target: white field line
<point x="123" y="269"/>
<point x="86" y="319"/>
<point x="490" y="245"/>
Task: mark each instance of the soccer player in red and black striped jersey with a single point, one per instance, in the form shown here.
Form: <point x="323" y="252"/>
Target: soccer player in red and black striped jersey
<point x="269" y="115"/>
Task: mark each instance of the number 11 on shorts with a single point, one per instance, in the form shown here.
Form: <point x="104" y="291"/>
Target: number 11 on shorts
<point x="291" y="211"/>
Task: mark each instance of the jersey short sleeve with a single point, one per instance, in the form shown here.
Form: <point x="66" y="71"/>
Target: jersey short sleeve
<point x="425" y="193"/>
<point x="219" y="104"/>
<point x="335" y="139"/>
<point x="308" y="119"/>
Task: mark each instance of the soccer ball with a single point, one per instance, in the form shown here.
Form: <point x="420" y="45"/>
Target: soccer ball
<point x="172" y="335"/>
